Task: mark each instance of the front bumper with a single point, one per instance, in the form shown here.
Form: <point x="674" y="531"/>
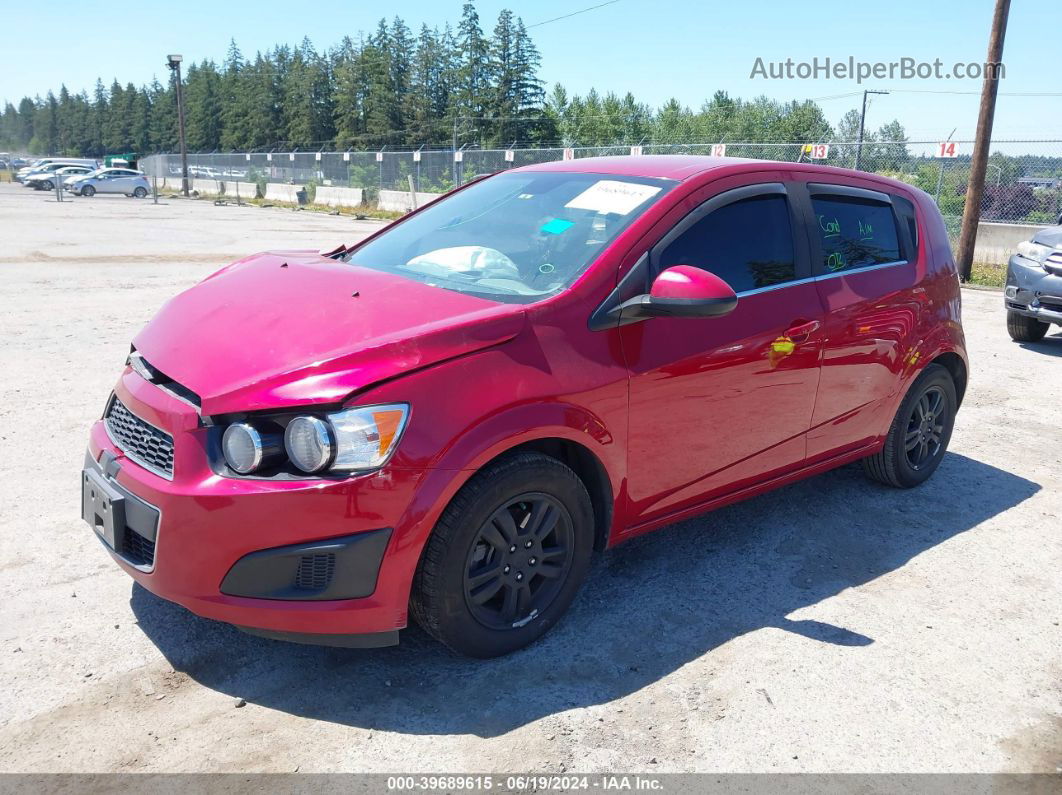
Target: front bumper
<point x="1032" y="291"/>
<point x="230" y="549"/>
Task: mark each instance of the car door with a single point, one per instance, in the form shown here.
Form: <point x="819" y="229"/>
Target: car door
<point x="864" y="256"/>
<point x="720" y="403"/>
<point x="121" y="181"/>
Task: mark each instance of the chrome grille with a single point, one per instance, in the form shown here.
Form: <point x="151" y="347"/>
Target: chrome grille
<point x="143" y="443"/>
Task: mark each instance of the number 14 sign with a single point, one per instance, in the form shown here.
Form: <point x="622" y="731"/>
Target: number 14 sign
<point x="947" y="149"/>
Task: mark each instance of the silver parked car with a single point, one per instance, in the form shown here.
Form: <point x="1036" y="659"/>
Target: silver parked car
<point x="1033" y="293"/>
<point x="111" y="180"/>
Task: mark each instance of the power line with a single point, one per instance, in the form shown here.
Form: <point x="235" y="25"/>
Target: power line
<point x="572" y="14"/>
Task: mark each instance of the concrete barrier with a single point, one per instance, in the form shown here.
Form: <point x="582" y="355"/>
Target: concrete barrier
<point x="996" y="242"/>
<point x="248" y="190"/>
<point x="398" y="200"/>
<point x="206" y="187"/>
<point x="338" y="197"/>
<point x="280" y="192"/>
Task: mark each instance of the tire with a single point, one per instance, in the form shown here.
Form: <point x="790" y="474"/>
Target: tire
<point x="47" y="185"/>
<point x="895" y="465"/>
<point x="470" y="591"/>
<point x="89" y="191"/>
<point x="1025" y="329"/>
<point x="140" y="193"/>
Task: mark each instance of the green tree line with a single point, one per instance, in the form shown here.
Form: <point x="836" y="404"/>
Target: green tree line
<point x="391" y="88"/>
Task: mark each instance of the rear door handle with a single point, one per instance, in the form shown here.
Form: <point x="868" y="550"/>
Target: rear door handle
<point x="801" y="331"/>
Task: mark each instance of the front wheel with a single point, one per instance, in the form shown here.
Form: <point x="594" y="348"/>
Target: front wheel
<point x="1023" y="328"/>
<point x="140" y="193"/>
<point x="47" y="185"/>
<point x="506" y="558"/>
<point x="88" y="190"/>
<point x="919" y="434"/>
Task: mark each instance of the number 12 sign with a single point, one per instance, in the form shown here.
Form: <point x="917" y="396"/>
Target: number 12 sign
<point x="947" y="149"/>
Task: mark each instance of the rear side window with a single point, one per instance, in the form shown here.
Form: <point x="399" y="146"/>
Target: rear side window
<point x="906" y="211"/>
<point x="747" y="244"/>
<point x="855" y="232"/>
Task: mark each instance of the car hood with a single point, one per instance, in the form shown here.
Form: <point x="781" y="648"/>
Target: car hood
<point x="291" y="328"/>
<point x="1052" y="236"/>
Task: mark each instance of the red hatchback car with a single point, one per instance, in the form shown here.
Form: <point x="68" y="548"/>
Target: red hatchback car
<point x="449" y="417"/>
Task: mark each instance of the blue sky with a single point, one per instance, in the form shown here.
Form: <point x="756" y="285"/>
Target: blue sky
<point x="653" y="48"/>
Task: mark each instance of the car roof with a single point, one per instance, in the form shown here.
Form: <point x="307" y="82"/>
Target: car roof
<point x="678" y="167"/>
<point x="683" y="167"/>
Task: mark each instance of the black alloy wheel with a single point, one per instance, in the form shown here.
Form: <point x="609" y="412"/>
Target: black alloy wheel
<point x="506" y="557"/>
<point x="518" y="561"/>
<point x="925" y="428"/>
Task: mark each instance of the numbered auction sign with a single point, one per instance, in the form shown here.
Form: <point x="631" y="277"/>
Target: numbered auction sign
<point x="459" y="156"/>
<point x="317" y="157"/>
<point x="636" y="151"/>
<point x="569" y="154"/>
<point x="379" y="157"/>
<point x="269" y="156"/>
<point x="510" y="155"/>
<point x="291" y="156"/>
<point x="346" y="157"/>
<point x="718" y="150"/>
<point x="416" y="156"/>
<point x="947" y="149"/>
<point x="819" y="151"/>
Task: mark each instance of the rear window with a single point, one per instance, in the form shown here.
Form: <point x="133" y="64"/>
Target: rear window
<point x="855" y="232"/>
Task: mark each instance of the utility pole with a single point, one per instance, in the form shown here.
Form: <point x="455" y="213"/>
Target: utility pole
<point x="174" y="62"/>
<point x="975" y="190"/>
<point x="862" y="124"/>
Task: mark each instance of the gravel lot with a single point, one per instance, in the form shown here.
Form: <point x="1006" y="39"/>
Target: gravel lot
<point x="830" y="626"/>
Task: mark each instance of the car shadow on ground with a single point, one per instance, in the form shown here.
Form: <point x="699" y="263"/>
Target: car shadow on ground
<point x="649" y="607"/>
<point x="1050" y="345"/>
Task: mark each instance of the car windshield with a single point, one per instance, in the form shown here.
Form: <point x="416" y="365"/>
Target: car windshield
<point x="516" y="238"/>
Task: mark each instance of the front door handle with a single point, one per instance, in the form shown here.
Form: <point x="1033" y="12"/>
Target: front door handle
<point x="801" y="331"/>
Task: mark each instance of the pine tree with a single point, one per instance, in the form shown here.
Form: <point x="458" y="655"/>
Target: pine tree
<point x="471" y="78"/>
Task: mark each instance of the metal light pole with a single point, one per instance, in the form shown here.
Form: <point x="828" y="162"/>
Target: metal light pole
<point x="174" y="62"/>
<point x="862" y="124"/>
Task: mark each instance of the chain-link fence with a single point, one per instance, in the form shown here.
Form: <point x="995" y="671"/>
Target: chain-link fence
<point x="1023" y="185"/>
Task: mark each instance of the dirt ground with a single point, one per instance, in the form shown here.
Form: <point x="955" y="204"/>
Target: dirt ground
<point x="833" y="625"/>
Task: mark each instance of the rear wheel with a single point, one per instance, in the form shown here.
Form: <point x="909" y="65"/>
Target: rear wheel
<point x="88" y="190"/>
<point x="920" y="432"/>
<point x="140" y="193"/>
<point x="47" y="185"/>
<point x="1025" y="329"/>
<point x="506" y="558"/>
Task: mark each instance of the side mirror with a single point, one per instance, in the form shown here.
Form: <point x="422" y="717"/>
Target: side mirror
<point x="681" y="291"/>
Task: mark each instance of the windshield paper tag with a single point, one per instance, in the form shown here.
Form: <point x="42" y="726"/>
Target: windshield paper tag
<point x="611" y="196"/>
<point x="556" y="226"/>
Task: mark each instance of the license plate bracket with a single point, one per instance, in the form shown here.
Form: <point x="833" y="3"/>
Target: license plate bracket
<point x="103" y="507"/>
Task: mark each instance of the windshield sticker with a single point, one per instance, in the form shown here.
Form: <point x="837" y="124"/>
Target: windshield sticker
<point x="611" y="196"/>
<point x="556" y="226"/>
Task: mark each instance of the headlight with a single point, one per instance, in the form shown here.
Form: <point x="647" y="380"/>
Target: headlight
<point x="1033" y="251"/>
<point x="366" y="437"/>
<point x="354" y="440"/>
<point x="246" y="449"/>
<point x="308" y="441"/>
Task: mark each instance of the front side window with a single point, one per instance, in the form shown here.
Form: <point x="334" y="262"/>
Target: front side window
<point x="515" y="238"/>
<point x="855" y="232"/>
<point x="748" y="244"/>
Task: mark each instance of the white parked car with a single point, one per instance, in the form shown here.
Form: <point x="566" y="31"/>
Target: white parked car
<point x="47" y="180"/>
<point x="111" y="180"/>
